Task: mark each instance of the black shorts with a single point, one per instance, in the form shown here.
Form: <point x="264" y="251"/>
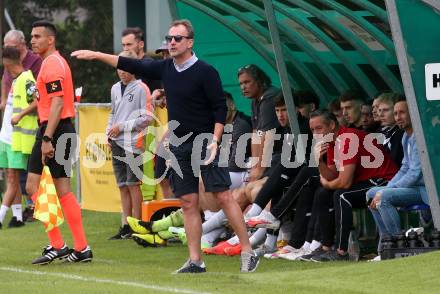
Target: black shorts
<point x="160" y="168"/>
<point x="124" y="174"/>
<point x="61" y="164"/>
<point x="215" y="178"/>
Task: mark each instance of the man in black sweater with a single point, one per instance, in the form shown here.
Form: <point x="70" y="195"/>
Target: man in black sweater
<point x="195" y="100"/>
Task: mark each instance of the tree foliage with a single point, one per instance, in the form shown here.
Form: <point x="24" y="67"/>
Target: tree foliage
<point x="81" y="24"/>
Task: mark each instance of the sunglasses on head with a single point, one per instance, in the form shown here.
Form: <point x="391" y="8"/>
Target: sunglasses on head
<point x="249" y="67"/>
<point x="176" y="38"/>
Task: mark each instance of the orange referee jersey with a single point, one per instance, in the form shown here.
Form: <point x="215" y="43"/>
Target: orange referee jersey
<point x="55" y="80"/>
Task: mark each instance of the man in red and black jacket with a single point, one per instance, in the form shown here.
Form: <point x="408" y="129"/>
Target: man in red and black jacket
<point x="350" y="162"/>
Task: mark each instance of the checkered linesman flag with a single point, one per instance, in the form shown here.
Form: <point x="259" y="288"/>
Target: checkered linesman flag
<point x="47" y="207"/>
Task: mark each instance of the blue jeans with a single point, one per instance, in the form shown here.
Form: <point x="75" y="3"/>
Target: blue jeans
<point x="386" y="215"/>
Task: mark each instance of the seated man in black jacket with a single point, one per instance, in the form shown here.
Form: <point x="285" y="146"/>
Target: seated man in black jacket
<point x="283" y="175"/>
<point x="393" y="134"/>
<point x="278" y="177"/>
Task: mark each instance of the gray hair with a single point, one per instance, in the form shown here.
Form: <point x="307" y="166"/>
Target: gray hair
<point x="326" y="116"/>
<point x="15" y="34"/>
<point x="187" y="24"/>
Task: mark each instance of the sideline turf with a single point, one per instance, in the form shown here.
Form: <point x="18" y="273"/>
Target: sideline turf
<point x="124" y="261"/>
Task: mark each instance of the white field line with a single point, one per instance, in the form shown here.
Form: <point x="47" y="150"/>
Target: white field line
<point x="97" y="280"/>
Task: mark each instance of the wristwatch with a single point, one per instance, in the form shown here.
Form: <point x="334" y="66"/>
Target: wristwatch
<point x="47" y="138"/>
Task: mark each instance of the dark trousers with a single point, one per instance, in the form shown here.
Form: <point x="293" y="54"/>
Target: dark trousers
<point x="299" y="198"/>
<point x="313" y="232"/>
<point x="306" y="179"/>
<point x="324" y="211"/>
<point x="344" y="201"/>
<point x="280" y="178"/>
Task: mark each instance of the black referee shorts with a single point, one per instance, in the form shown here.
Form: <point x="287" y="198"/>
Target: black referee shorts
<point x="64" y="142"/>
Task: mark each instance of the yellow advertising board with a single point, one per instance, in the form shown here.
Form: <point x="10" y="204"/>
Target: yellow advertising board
<point x="98" y="185"/>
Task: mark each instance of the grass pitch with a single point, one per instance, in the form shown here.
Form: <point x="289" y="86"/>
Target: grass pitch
<point x="121" y="266"/>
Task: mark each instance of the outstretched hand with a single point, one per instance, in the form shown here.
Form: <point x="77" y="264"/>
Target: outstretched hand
<point x="84" y="54"/>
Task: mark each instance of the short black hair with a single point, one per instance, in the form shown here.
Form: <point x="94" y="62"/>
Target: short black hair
<point x="401" y="98"/>
<point x="279" y="100"/>
<point x="368" y="102"/>
<point x="350" y="95"/>
<point x="47" y="25"/>
<point x="12" y="54"/>
<point x="334" y="105"/>
<point x="326" y="115"/>
<point x="136" y="31"/>
<point x="303" y="97"/>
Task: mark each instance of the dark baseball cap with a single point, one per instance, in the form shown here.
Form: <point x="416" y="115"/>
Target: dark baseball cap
<point x="162" y="47"/>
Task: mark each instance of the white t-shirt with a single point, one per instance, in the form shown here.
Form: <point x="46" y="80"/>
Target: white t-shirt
<point x="6" y="131"/>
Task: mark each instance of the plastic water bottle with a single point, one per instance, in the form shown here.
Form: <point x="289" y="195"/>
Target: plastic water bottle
<point x="353" y="246"/>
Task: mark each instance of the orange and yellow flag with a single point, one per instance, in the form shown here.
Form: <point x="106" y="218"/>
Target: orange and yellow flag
<point x="47" y="206"/>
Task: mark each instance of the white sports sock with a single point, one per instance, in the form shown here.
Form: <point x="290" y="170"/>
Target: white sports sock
<point x="315" y="245"/>
<point x="271" y="241"/>
<point x="258" y="237"/>
<point x="213" y="222"/>
<point x="234" y="240"/>
<point x="213" y="235"/>
<point x="17" y="211"/>
<point x="254" y="210"/>
<point x="208" y="214"/>
<point x="123" y="219"/>
<point x="198" y="263"/>
<point x="3" y="210"/>
<point x="306" y="245"/>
